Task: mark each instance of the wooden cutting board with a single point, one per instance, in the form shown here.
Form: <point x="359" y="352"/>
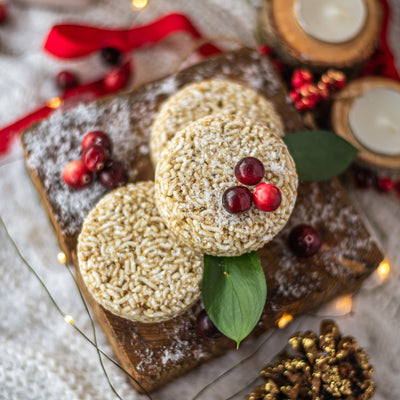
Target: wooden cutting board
<point x="157" y="353"/>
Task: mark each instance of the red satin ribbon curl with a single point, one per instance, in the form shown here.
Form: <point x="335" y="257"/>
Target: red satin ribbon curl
<point x="70" y="41"/>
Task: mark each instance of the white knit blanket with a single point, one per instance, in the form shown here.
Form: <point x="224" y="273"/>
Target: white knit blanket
<point x="42" y="357"/>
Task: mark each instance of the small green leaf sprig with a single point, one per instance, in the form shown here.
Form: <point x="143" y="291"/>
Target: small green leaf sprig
<point x="234" y="289"/>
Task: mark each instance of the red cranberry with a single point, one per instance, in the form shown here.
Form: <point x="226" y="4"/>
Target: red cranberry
<point x="113" y="175"/>
<point x="304" y="240"/>
<point x="111" y="56"/>
<point x="205" y="327"/>
<point x="384" y="184"/>
<point x="301" y="76"/>
<point x="237" y="199"/>
<point x="295" y="95"/>
<point x="96" y="137"/>
<point x="249" y="171"/>
<point x="76" y="175"/>
<point x="66" y="80"/>
<point x="364" y="178"/>
<point x="116" y="79"/>
<point x="95" y="157"/>
<point x="311" y="92"/>
<point x="267" y="197"/>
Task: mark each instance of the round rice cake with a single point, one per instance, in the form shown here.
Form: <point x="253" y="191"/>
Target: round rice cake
<point x="131" y="263"/>
<point x="200" y="99"/>
<point x="198" y="166"/>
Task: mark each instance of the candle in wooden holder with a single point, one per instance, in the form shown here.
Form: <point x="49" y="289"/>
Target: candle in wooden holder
<point x="321" y="34"/>
<point x="332" y="21"/>
<point x="366" y="113"/>
<point x="375" y="120"/>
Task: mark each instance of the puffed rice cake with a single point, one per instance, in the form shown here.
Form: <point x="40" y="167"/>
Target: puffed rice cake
<point x="131" y="263"/>
<point x="198" y="166"/>
<point x="200" y="99"/>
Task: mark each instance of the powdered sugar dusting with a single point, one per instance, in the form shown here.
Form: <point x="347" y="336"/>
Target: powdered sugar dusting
<point x="56" y="141"/>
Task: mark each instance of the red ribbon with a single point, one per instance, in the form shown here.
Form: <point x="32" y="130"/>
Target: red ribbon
<point x="72" y="41"/>
<point x="382" y="63"/>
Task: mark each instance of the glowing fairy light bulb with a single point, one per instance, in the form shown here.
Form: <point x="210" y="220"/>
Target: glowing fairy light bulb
<point x="55" y="102"/>
<point x="383" y="270"/>
<point x="284" y="320"/>
<point x="68" y="319"/>
<point x="61" y="257"/>
<point x="139" y="4"/>
<point x="343" y="305"/>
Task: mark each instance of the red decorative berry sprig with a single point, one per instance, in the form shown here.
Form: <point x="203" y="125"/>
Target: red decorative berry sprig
<point x="306" y="94"/>
<point x="95" y="157"/>
<point x="238" y="199"/>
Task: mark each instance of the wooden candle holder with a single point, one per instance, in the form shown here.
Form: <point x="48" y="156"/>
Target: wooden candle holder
<point x="279" y="28"/>
<point x="340" y="119"/>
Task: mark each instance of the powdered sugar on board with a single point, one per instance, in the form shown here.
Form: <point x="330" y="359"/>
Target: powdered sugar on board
<point x="56" y="141"/>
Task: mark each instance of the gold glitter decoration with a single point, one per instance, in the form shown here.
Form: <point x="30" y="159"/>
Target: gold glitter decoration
<point x="328" y="367"/>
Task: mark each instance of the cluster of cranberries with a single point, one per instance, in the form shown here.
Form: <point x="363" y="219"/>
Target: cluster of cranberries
<point x="114" y="80"/>
<point x="95" y="158"/>
<point x="306" y="94"/>
<point x="365" y="178"/>
<point x="238" y="199"/>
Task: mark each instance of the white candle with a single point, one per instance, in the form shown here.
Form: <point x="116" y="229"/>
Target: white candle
<point x="374" y="119"/>
<point x="333" y="21"/>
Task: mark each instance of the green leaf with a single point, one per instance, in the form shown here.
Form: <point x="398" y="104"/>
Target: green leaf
<point x="319" y="155"/>
<point x="234" y="292"/>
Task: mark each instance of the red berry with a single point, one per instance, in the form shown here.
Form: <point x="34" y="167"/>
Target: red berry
<point x="96" y="137"/>
<point x="111" y="56"/>
<point x="116" y="79"/>
<point x="66" y="80"/>
<point x="113" y="175"/>
<point x="323" y="90"/>
<point x="267" y="197"/>
<point x="339" y="79"/>
<point x="264" y="50"/>
<point x="304" y="104"/>
<point x="384" y="184"/>
<point x="205" y="327"/>
<point x="95" y="157"/>
<point x="237" y="199"/>
<point x="76" y="175"/>
<point x="310" y="91"/>
<point x="364" y="178"/>
<point x="299" y="77"/>
<point x="304" y="240"/>
<point x="295" y="95"/>
<point x="249" y="171"/>
<point x="3" y="13"/>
